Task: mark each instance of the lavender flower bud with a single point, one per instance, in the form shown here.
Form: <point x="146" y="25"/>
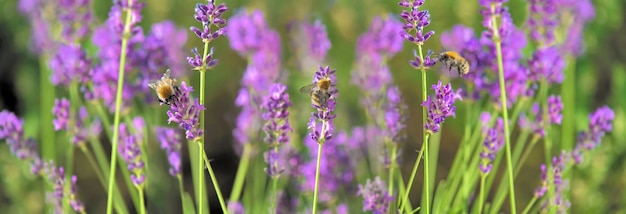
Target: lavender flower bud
<point x="311" y="43"/>
<point x="12" y="130"/>
<point x="170" y="142"/>
<point x="541" y="190"/>
<point x="209" y="15"/>
<point x="600" y="122"/>
<point x="440" y="106"/>
<point x="491" y="146"/>
<point x="375" y="196"/>
<point x="70" y="63"/>
<point x="75" y="17"/>
<point x="277" y="127"/>
<point x="394" y="118"/>
<point x="61" y="111"/>
<point x="131" y="153"/>
<point x="415" y="20"/>
<point x="555" y="107"/>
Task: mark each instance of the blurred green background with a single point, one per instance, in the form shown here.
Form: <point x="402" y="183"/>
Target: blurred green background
<point x="600" y="80"/>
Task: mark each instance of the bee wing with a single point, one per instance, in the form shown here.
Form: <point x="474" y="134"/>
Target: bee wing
<point x="306" y="89"/>
<point x="153" y="84"/>
<point x="167" y="73"/>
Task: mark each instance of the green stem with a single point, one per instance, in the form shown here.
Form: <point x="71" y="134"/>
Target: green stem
<point x="394" y="152"/>
<point x="275" y="184"/>
<point x="142" y="208"/>
<point x="481" y="201"/>
<point x="46" y="96"/>
<point x="426" y="135"/>
<point x="530" y="205"/>
<point x="217" y="188"/>
<point x="241" y="173"/>
<point x="118" y="105"/>
<point x="181" y="190"/>
<point x="405" y="198"/>
<point x="568" y="92"/>
<point x="317" y="176"/>
<point x="505" y="115"/>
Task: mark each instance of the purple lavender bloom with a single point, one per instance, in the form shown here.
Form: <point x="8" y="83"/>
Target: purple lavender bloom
<point x="42" y="41"/>
<point x="428" y="60"/>
<point x="381" y="37"/>
<point x="61" y="111"/>
<point x="336" y="168"/>
<point x="542" y="21"/>
<point x="463" y="40"/>
<point x="324" y="114"/>
<point x="170" y="142"/>
<point x="70" y="63"/>
<point x="277" y="128"/>
<point x="559" y="164"/>
<point x="75" y="17"/>
<point x="555" y="107"/>
<point x="394" y="115"/>
<point x="246" y="31"/>
<point x="186" y="113"/>
<point x="484" y="119"/>
<point x="440" y="106"/>
<point x="491" y="146"/>
<point x="600" y="123"/>
<point x="547" y="64"/>
<point x="582" y="12"/>
<point x="210" y="15"/>
<point x="76" y="204"/>
<point x="12" y="130"/>
<point x="310" y="42"/>
<point x="161" y="48"/>
<point x="56" y="177"/>
<point x="375" y="196"/>
<point x="131" y="153"/>
<point x="537" y="124"/>
<point x="541" y="190"/>
<point x="415" y="21"/>
<point x="82" y="130"/>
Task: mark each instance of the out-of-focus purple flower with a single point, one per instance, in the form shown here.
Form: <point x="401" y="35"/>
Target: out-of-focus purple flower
<point x="56" y="177"/>
<point x="70" y="63"/>
<point x="336" y="168"/>
<point x="83" y="131"/>
<point x="310" y="42"/>
<point x="581" y="11"/>
<point x="246" y="31"/>
<point x="395" y="117"/>
<point x="375" y="196"/>
<point x="42" y="42"/>
<point x="131" y="153"/>
<point x="12" y="130"/>
<point x="161" y="48"/>
<point x="440" y="106"/>
<point x="325" y="114"/>
<point x="276" y="106"/>
<point x="542" y="21"/>
<point x="210" y="15"/>
<point x="555" y="107"/>
<point x="463" y="40"/>
<point x="484" y="119"/>
<point x="382" y="37"/>
<point x="61" y="111"/>
<point x="414" y="22"/>
<point x="170" y="142"/>
<point x="491" y="146"/>
<point x="75" y="17"/>
<point x="543" y="187"/>
<point x="235" y="207"/>
<point x="559" y="164"/>
<point x="186" y="113"/>
<point x="546" y="64"/>
<point x="600" y="123"/>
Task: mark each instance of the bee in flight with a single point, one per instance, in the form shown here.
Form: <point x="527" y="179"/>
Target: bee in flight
<point x="319" y="92"/>
<point x="452" y="59"/>
<point x="165" y="88"/>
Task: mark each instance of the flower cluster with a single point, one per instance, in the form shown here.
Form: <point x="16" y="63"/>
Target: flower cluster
<point x="75" y="17"/>
<point x="415" y="20"/>
<point x="394" y="115"/>
<point x="277" y="128"/>
<point x="56" y="177"/>
<point x="326" y="113"/>
<point x="546" y="64"/>
<point x="170" y="142"/>
<point x="493" y="143"/>
<point x="186" y="112"/>
<point x="70" y="63"/>
<point x="251" y="37"/>
<point x="83" y="131"/>
<point x="131" y="152"/>
<point x="440" y="106"/>
<point x="537" y="124"/>
<point x="310" y="42"/>
<point x="61" y="111"/>
<point x="600" y="123"/>
<point x="12" y="131"/>
<point x="555" y="179"/>
<point x="375" y="196"/>
<point x="210" y="15"/>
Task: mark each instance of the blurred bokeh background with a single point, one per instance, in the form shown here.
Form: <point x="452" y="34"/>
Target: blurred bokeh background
<point x="600" y="80"/>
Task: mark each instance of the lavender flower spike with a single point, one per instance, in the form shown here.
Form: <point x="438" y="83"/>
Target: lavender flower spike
<point x="440" y="106"/>
<point x="325" y="112"/>
<point x="186" y="113"/>
<point x="170" y="142"/>
<point x="12" y="130"/>
<point x="210" y="15"/>
<point x="61" y="111"/>
<point x="131" y="153"/>
<point x="277" y="127"/>
<point x="494" y="141"/>
<point x="415" y="20"/>
<point x="375" y="196"/>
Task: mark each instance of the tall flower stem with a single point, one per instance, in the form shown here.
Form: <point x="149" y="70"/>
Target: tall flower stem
<point x="426" y="135"/>
<point x="405" y="198"/>
<point x="118" y="105"/>
<point x="392" y="166"/>
<point x="481" y="199"/>
<point x="242" y="170"/>
<point x="317" y="165"/>
<point x="142" y="209"/>
<point x="530" y="205"/>
<point x="568" y="92"/>
<point x="46" y="103"/>
<point x="505" y="114"/>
